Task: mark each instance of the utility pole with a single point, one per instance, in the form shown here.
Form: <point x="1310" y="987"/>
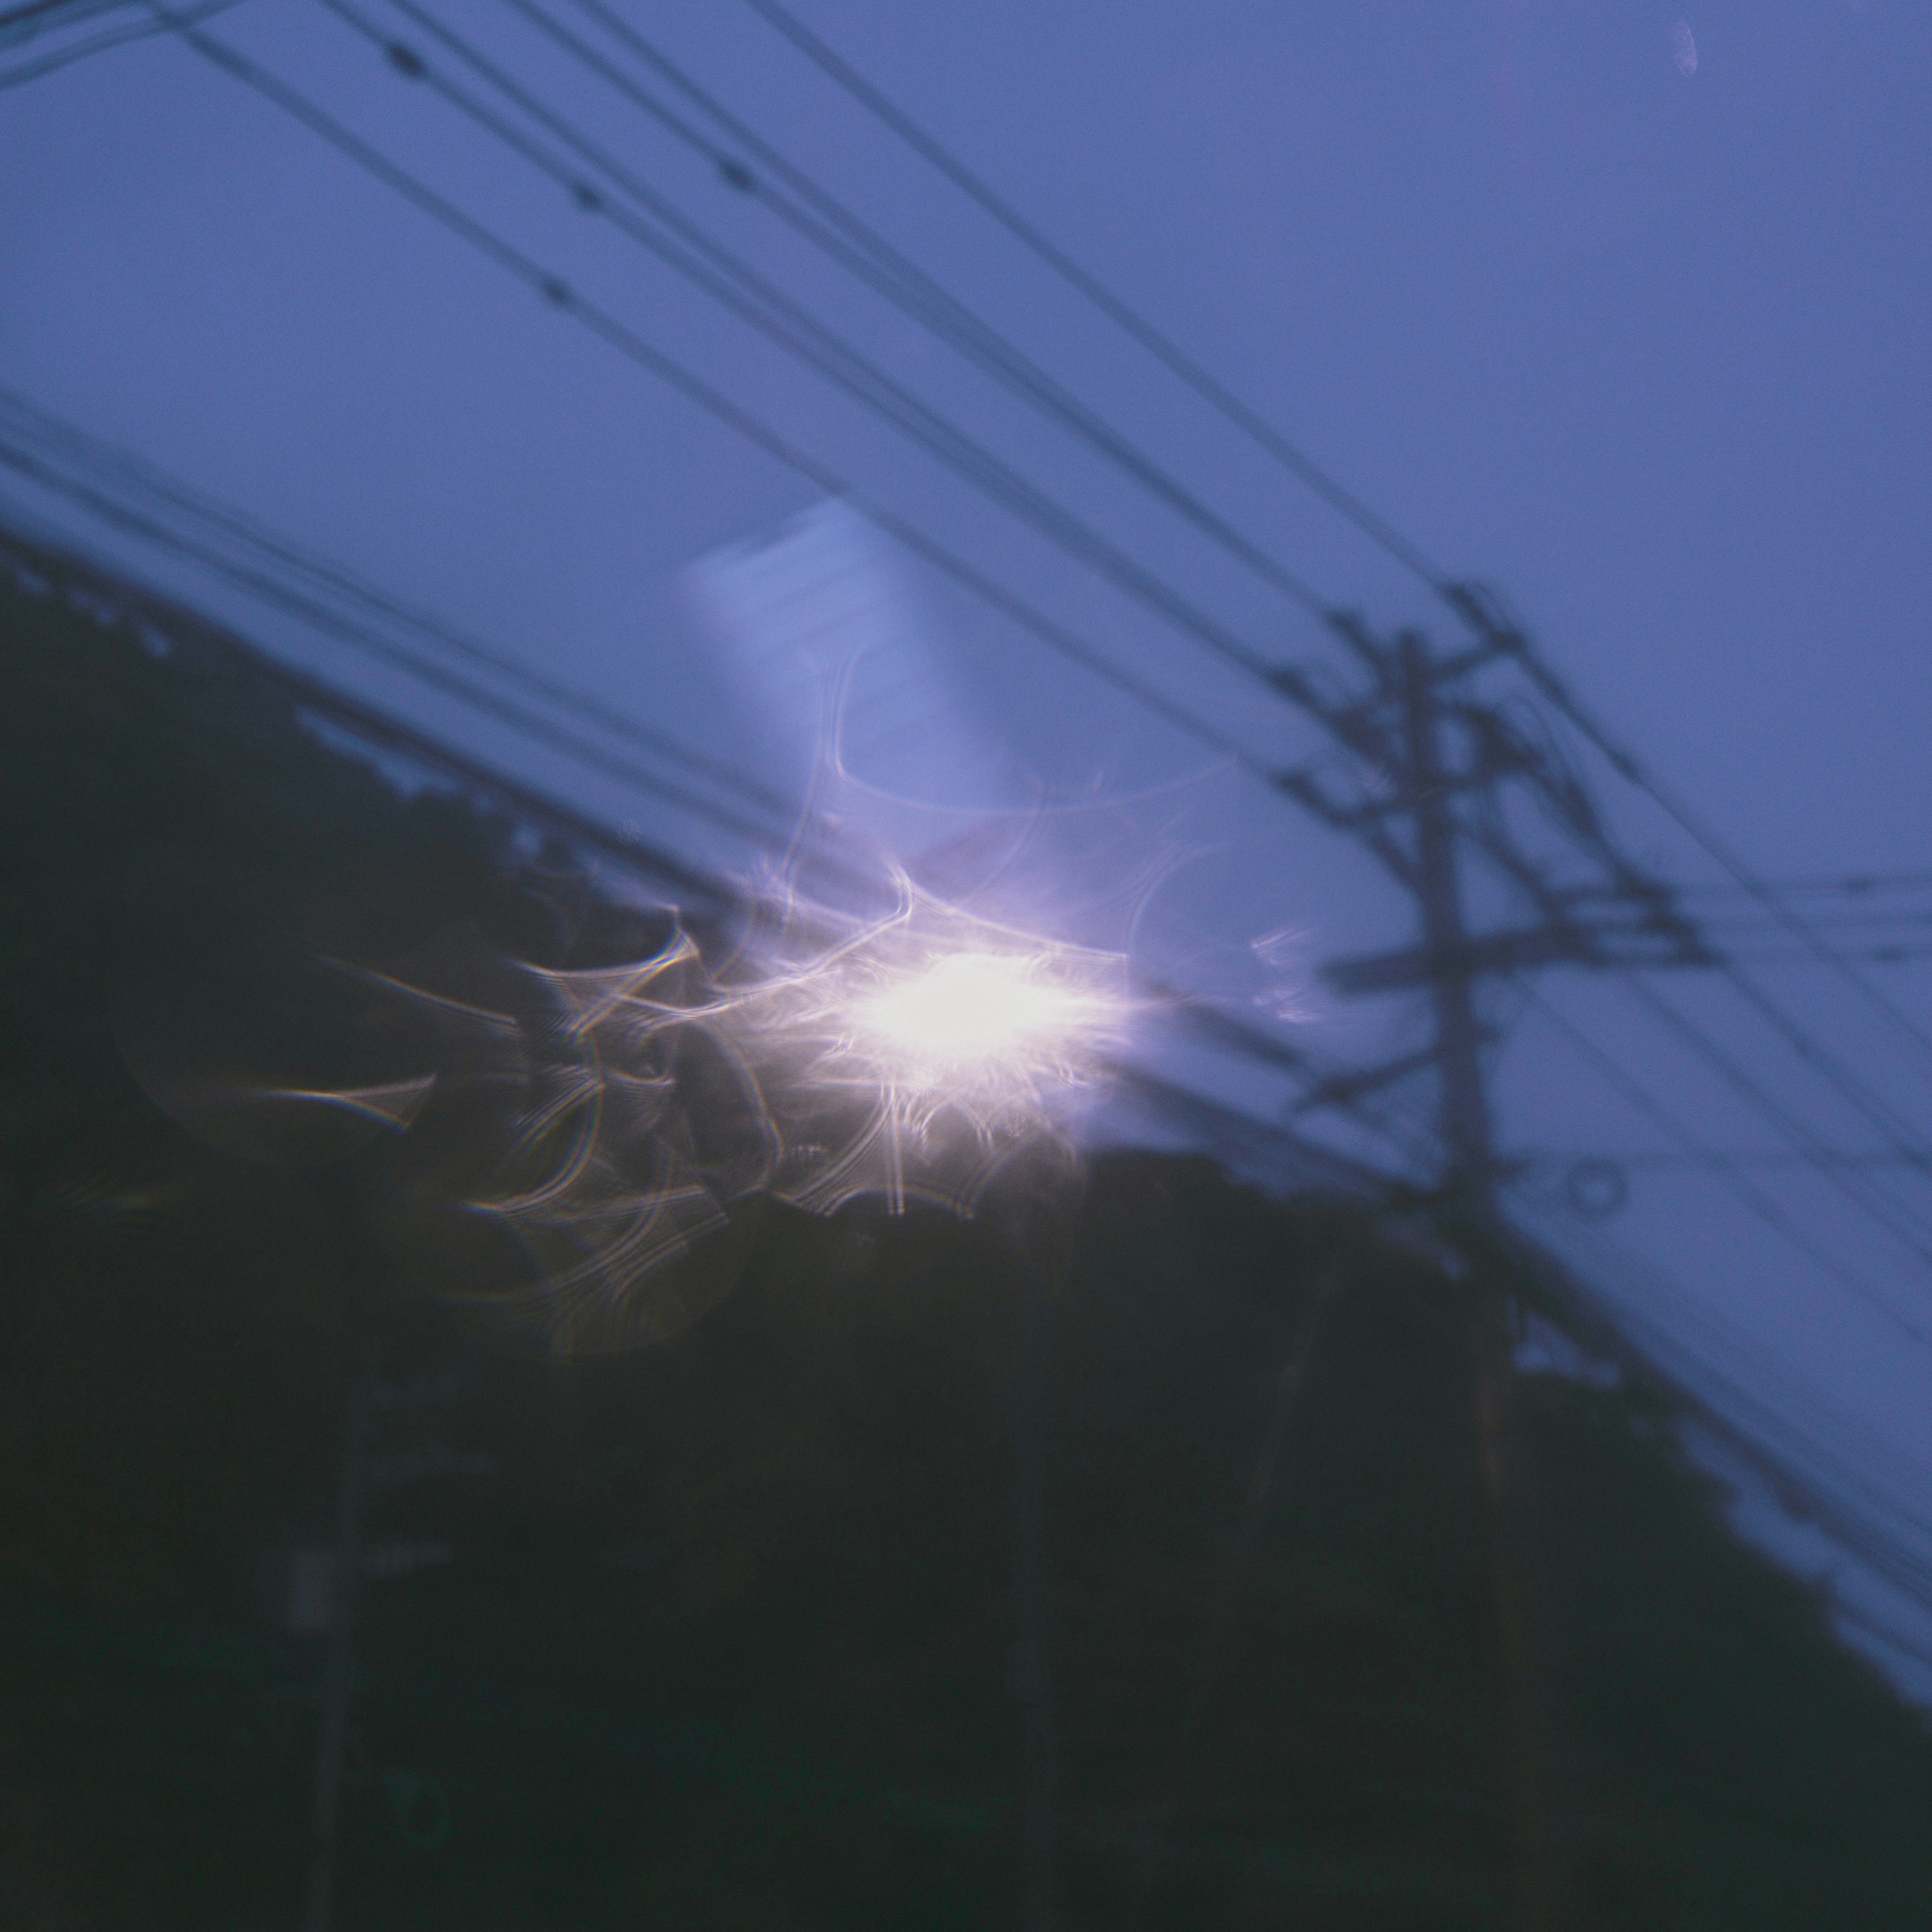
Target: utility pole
<point x="1464" y="1106"/>
<point x="1464" y="1125"/>
<point x="1437" y="772"/>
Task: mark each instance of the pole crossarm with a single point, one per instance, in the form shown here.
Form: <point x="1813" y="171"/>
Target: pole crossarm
<point x="1437" y="770"/>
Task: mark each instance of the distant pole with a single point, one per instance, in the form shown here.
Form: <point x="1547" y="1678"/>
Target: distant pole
<point x="1470" y="1176"/>
<point x="1465" y="1128"/>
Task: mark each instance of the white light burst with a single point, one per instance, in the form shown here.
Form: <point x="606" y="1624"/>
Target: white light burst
<point x="916" y="1055"/>
<point x="986" y="1023"/>
<point x="575" y="1166"/>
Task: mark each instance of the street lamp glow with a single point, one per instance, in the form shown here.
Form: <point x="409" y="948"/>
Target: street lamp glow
<point x="970" y="1016"/>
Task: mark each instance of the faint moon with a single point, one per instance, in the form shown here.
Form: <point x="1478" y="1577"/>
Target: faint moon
<point x="1684" y="49"/>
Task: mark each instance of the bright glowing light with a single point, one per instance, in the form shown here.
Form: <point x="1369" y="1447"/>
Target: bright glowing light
<point x="918" y="1052"/>
<point x="608" y="1120"/>
<point x="972" y="1014"/>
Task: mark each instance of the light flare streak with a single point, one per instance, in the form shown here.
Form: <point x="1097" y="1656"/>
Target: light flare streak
<point x="585" y="1163"/>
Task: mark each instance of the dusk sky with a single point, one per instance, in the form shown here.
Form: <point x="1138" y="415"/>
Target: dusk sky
<point x="1620" y="309"/>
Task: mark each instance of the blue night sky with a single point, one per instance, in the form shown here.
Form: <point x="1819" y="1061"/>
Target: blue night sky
<point x="1621" y="310"/>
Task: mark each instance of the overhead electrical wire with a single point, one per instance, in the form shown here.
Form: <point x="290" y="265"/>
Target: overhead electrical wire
<point x="1470" y="605"/>
<point x="1837" y="1491"/>
<point x="626" y="340"/>
<point x="1162" y="347"/>
<point x="1780" y="1410"/>
<point x="562" y="295"/>
<point x="49" y="550"/>
<point x="1876" y="1110"/>
<point x="346" y="630"/>
<point x="552" y="292"/>
<point x="1890" y="955"/>
<point x="554" y="289"/>
<point x="1805" y="1420"/>
<point x="117" y="468"/>
<point x="827" y="224"/>
<point x="1741" y="875"/>
<point x="1860" y="885"/>
<point x="1876" y="1630"/>
<point x="783" y="321"/>
<point x="1640" y="1159"/>
<point x="1166" y="604"/>
<point x="1862" y="920"/>
<point x="20" y="73"/>
<point x="18" y="415"/>
<point x="110" y="468"/>
<point x="1875" y="1203"/>
<point x="1163" y="1095"/>
<point x="1761" y="1204"/>
<point x="25" y="21"/>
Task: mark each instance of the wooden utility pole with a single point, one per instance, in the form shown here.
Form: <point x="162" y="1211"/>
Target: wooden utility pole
<point x="1435" y="770"/>
<point x="1464" y="1103"/>
<point x="1469" y="1178"/>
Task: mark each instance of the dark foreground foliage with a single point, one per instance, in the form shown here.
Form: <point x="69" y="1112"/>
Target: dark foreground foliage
<point x="726" y="1636"/>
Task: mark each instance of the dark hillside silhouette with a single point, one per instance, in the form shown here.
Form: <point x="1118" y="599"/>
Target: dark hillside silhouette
<point x="721" y="1633"/>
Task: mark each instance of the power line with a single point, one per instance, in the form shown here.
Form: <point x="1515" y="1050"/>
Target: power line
<point x="1879" y="1112"/>
<point x="1856" y="1091"/>
<point x="1885" y="1118"/>
<point x="560" y="294"/>
<point x="1917" y="1649"/>
<point x="1642" y="1159"/>
<point x="1893" y="955"/>
<point x="1857" y="885"/>
<point x="32" y="15"/>
<point x="1217" y="1028"/>
<point x="1754" y="924"/>
<point x="1754" y="1197"/>
<point x="133" y="473"/>
<point x="554" y="289"/>
<point x="566" y="299"/>
<point x="1225" y="1126"/>
<point x="375" y="728"/>
<point x="836" y="231"/>
<point x="411" y="64"/>
<point x="1465" y="600"/>
<point x="1416" y="783"/>
<point x="784" y="321"/>
<point x="1804" y="1472"/>
<point x="20" y="74"/>
<point x="1162" y="347"/>
<point x="1877" y="1205"/>
<point x="1741" y="875"/>
<point x="333" y="624"/>
<point x="1326" y="1082"/>
<point x="1792" y="1129"/>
